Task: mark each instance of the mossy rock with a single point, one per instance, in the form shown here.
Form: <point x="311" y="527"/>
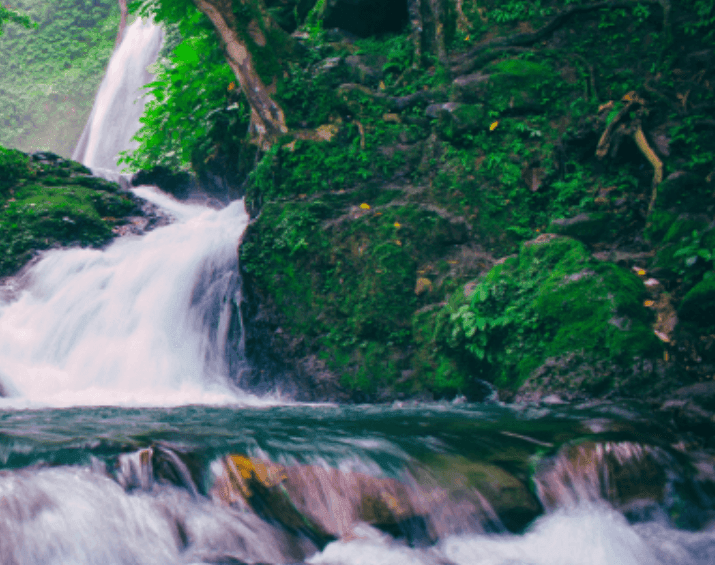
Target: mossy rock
<point x="586" y="227"/>
<point x="14" y="166"/>
<point x="54" y="204"/>
<point x="697" y="308"/>
<point x="555" y="302"/>
<point x="680" y="191"/>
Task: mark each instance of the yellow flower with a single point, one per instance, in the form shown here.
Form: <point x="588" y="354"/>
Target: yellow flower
<point x="641" y="272"/>
<point x="493" y="126"/>
<point x="397" y="225"/>
<point x="466" y="38"/>
<point x="365" y="206"/>
<point x="232" y="86"/>
<point x="648" y="303"/>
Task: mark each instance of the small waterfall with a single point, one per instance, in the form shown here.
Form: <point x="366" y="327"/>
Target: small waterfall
<point x="120" y="100"/>
<point x="145" y="321"/>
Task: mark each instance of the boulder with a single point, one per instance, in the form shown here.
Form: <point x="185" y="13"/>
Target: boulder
<point x="697" y="308"/>
<point x="587" y="227"/>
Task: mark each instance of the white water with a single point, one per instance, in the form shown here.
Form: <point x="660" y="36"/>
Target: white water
<point x="120" y="100"/>
<point x="585" y="534"/>
<point x="143" y="322"/>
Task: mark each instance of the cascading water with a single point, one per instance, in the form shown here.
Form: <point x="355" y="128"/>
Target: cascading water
<point x="123" y="440"/>
<point x="144" y="321"/>
<point x="120" y="100"/>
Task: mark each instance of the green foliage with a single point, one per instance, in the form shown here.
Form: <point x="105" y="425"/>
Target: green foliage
<point x="8" y="15"/>
<point x="196" y="106"/>
<point x="551" y="302"/>
<point x="49" y="72"/>
<point x="517" y="10"/>
<point x="13" y="167"/>
<point x="53" y="205"/>
<point x="704" y="21"/>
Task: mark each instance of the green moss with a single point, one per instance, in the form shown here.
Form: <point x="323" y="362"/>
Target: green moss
<point x="551" y="303"/>
<point x="697" y="308"/>
<point x="14" y="166"/>
<point x="51" y="206"/>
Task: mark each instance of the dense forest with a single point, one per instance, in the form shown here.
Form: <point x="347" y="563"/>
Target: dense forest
<point x="445" y="193"/>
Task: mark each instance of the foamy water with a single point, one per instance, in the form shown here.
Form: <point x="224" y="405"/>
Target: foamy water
<point x="144" y="321"/>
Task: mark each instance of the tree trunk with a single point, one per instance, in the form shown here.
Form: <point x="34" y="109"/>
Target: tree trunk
<point x="267" y="117"/>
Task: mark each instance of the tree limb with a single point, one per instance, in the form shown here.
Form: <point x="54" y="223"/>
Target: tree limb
<point x="267" y="117"/>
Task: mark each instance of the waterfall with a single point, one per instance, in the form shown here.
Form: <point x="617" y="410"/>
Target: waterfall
<point x="120" y="100"/>
<point x="144" y="321"/>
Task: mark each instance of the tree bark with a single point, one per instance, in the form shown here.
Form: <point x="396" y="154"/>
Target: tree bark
<point x="267" y="117"/>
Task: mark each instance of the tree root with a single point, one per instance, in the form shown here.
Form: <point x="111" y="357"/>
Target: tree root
<point x="400" y="103"/>
<point x="614" y="133"/>
<point x="649" y="154"/>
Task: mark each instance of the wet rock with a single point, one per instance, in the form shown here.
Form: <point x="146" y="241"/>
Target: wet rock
<point x="508" y="500"/>
<point x="623" y="473"/>
<point x="692" y="408"/>
<point x="180" y="183"/>
<point x="323" y="503"/>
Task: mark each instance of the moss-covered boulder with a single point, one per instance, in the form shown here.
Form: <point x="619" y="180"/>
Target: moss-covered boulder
<point x="697" y="309"/>
<point x="48" y="201"/>
<point x="553" y="319"/>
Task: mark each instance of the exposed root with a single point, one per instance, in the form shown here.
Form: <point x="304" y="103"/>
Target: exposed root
<point x="649" y="154"/>
<point x="604" y="144"/>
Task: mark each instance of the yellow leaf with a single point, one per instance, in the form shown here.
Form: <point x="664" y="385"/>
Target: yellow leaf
<point x="365" y="206"/>
<point x="648" y="303"/>
<point x="382" y="85"/>
<point x="641" y="272"/>
<point x="466" y="38"/>
<point x="398" y="242"/>
<point x="397" y="225"/>
<point x="493" y="126"/>
<point x="232" y="86"/>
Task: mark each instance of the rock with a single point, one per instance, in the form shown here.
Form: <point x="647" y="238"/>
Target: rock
<point x="365" y="69"/>
<point x="507" y="499"/>
<point x="589" y="332"/>
<point x="471" y="88"/>
<point x="510" y="85"/>
<point x="679" y="191"/>
<point x="325" y="503"/>
<point x="697" y="308"/>
<point x="180" y="183"/>
<point x="457" y="119"/>
<point x="702" y="394"/>
<point x="587" y="227"/>
<point x="624" y="473"/>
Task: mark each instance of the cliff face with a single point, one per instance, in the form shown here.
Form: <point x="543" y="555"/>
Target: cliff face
<point x="531" y="207"/>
